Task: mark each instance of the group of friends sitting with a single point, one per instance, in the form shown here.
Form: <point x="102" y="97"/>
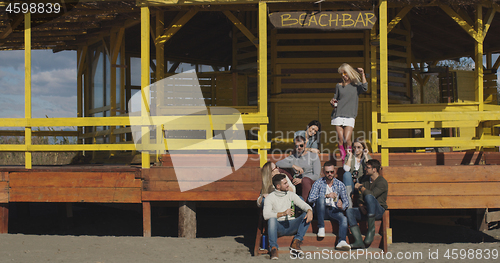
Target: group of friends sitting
<point x="295" y="190"/>
<point x="322" y="195"/>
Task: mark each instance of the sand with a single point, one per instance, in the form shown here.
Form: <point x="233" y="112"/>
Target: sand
<point x="101" y="234"/>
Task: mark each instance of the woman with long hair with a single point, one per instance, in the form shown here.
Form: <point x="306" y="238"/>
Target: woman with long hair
<point x="355" y="164"/>
<point x="312" y="136"/>
<point x="267" y="171"/>
<point x="345" y="103"/>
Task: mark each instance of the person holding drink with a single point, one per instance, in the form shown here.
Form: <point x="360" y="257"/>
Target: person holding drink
<point x="345" y="103"/>
<point x="354" y="165"/>
<point x="329" y="198"/>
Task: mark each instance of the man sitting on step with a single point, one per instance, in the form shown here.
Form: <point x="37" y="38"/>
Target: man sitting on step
<point x="280" y="216"/>
<point x="372" y="203"/>
<point x="329" y="198"/>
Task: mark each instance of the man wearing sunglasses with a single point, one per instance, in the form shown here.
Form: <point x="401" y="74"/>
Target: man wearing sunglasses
<point x="329" y="198"/>
<point x="372" y="203"/>
<point x="305" y="164"/>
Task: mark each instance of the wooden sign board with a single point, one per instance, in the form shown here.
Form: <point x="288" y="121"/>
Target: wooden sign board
<point x="346" y="20"/>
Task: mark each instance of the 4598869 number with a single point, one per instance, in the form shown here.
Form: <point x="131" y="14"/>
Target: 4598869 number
<point x="34" y="8"/>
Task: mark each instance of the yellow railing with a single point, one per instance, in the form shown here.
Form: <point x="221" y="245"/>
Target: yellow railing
<point x="429" y="116"/>
<point x="218" y="122"/>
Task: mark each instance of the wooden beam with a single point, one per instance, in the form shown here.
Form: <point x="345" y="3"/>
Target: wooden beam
<point x="116" y="48"/>
<point x="497" y="63"/>
<point x="176" y="26"/>
<point x="200" y="196"/>
<point x="464" y="15"/>
<point x="489" y="18"/>
<point x="145" y="79"/>
<point x="81" y="60"/>
<point x="384" y="73"/>
<point x="242" y="28"/>
<point x="106" y="48"/>
<point x="374" y="88"/>
<point x="460" y="21"/>
<point x="17" y="20"/>
<point x="4" y="218"/>
<point x="174" y="67"/>
<point x="395" y="21"/>
<point x="146" y="219"/>
<point x="27" y="86"/>
<point x="262" y="78"/>
<point x="478" y="72"/>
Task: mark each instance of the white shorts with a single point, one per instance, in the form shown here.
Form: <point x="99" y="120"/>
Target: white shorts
<point x="342" y="121"/>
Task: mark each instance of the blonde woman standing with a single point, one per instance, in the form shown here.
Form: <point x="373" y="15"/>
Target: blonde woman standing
<point x="345" y="103"/>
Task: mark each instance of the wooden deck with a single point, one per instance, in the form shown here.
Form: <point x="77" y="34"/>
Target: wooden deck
<point x="455" y="180"/>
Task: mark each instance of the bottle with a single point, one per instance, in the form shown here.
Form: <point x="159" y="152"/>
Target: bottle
<point x="264" y="242"/>
<point x="293" y="210"/>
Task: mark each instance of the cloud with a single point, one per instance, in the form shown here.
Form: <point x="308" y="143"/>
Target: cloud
<point x="41" y="60"/>
<point x="52" y="74"/>
<point x="60" y="82"/>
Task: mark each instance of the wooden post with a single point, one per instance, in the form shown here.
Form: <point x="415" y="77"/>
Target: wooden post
<point x="235" y="88"/>
<point x="262" y="77"/>
<point x="386" y="224"/>
<point x="4" y="218"/>
<point x="373" y="88"/>
<point x="479" y="59"/>
<point x="187" y="219"/>
<point x="481" y="223"/>
<point x="145" y="78"/>
<point x="27" y="88"/>
<point x="384" y="78"/>
<point x="146" y="219"/>
<point x="160" y="74"/>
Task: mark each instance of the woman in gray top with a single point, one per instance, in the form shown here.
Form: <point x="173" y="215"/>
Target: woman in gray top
<point x="345" y="103"/>
<point x="311" y="134"/>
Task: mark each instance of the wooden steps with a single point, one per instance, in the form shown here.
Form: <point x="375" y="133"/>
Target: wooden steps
<point x="313" y="243"/>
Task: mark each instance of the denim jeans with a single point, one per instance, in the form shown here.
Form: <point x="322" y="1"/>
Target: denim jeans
<point x="373" y="209"/>
<point x="327" y="212"/>
<point x="347" y="179"/>
<point x="275" y="228"/>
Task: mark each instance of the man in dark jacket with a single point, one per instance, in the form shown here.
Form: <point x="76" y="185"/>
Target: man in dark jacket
<point x="372" y="203"/>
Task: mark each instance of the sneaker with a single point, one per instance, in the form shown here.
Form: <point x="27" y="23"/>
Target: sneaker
<point x="274" y="253"/>
<point x="342" y="245"/>
<point x="321" y="232"/>
<point x="295" y="246"/>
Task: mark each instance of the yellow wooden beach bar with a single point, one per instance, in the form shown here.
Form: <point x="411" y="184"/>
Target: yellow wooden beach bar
<point x="264" y="70"/>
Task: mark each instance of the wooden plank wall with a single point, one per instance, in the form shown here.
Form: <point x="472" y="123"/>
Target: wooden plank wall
<point x="4" y="187"/>
<point x="400" y="84"/>
<point x="490" y="88"/>
<point x="224" y="89"/>
<point x="305" y="72"/>
<point x="443" y="187"/>
<point x="82" y="186"/>
<point x="161" y="183"/>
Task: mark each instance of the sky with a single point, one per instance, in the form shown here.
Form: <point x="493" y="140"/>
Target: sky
<point x="53" y="84"/>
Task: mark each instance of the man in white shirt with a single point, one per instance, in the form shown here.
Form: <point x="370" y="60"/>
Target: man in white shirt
<point x="280" y="217"/>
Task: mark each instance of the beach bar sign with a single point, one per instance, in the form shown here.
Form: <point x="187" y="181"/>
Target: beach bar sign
<point x="344" y="20"/>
